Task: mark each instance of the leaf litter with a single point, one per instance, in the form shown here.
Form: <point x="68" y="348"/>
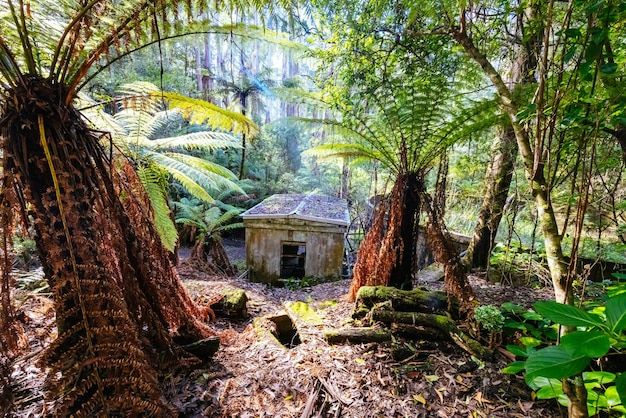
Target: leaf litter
<point x="253" y="375"/>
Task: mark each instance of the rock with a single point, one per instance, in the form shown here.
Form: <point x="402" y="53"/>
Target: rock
<point x="203" y="349"/>
<point x="232" y="305"/>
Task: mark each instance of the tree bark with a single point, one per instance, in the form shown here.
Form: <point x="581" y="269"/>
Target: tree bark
<point x="498" y="181"/>
<point x="357" y="335"/>
<point x="118" y="300"/>
<point x="440" y="322"/>
<point x="387" y="255"/>
<point x="576" y="392"/>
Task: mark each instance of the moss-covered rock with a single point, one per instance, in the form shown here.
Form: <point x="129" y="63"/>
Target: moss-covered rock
<point x="233" y="305"/>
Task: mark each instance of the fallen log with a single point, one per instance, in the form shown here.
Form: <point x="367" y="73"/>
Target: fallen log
<point x="357" y="335"/>
<point x="442" y="323"/>
<point x="416" y="300"/>
<point x="418" y="332"/>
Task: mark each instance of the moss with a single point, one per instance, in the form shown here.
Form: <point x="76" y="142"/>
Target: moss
<point x="303" y="312"/>
<point x="233" y="304"/>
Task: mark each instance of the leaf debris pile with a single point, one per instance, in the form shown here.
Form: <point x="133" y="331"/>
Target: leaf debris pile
<point x="253" y="375"/>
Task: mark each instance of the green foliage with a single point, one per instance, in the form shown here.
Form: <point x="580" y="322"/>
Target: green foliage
<point x="25" y="249"/>
<point x="596" y="334"/>
<point x="489" y="317"/>
<point x="138" y="130"/>
<point x="295" y="283"/>
<point x="206" y="218"/>
<point x="153" y="181"/>
<point x="518" y="264"/>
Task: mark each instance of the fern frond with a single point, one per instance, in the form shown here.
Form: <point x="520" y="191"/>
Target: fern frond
<point x="198" y="111"/>
<point x="160" y="208"/>
<point x="197" y="140"/>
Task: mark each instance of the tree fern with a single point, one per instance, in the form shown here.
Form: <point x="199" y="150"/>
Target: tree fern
<point x="118" y="300"/>
<point x="136" y="129"/>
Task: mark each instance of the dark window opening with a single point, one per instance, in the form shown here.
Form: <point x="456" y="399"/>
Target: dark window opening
<point x="292" y="260"/>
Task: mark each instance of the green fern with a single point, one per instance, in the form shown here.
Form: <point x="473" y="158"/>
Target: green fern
<point x="207" y="220"/>
<point x="406" y="129"/>
<point x="152" y="180"/>
<point x="135" y="130"/>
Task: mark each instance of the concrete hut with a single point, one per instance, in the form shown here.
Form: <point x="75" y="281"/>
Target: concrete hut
<point x="295" y="236"/>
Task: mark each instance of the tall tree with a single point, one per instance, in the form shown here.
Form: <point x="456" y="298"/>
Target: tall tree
<point x="120" y="305"/>
<point x="399" y="95"/>
<point x="246" y="92"/>
<point x="525" y="46"/>
<point x="575" y="54"/>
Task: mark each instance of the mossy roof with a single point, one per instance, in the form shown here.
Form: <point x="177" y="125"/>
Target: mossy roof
<point x="311" y="207"/>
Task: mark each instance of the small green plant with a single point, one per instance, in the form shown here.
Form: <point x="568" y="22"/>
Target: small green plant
<point x="491" y="320"/>
<point x="489" y="317"/>
<point x="518" y="264"/>
<point x="597" y="333"/>
<point x="527" y="323"/>
<point x="25" y="249"/>
<point x="294" y="283"/>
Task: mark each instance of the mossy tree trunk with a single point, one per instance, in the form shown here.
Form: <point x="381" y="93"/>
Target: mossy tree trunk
<point x="498" y="181"/>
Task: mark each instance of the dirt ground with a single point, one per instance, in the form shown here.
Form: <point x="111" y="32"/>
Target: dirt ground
<point x="255" y="376"/>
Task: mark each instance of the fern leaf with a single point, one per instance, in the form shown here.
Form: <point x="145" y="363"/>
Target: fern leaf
<point x="161" y="210"/>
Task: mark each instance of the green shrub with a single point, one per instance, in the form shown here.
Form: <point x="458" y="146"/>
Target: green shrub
<point x="597" y="333"/>
<point x="489" y="317"/>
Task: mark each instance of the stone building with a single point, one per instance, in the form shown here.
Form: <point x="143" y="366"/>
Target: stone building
<point x="295" y="236"/>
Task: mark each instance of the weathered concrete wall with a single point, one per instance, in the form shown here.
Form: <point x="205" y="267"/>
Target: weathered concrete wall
<point x="324" y="247"/>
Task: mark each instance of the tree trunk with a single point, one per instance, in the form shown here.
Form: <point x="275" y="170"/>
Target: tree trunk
<point x="504" y="150"/>
<point x="118" y="300"/>
<point x="455" y="274"/>
<point x="440" y="322"/>
<point x="534" y="173"/>
<point x="357" y="335"/>
<point x="387" y="255"/>
<point x="209" y="255"/>
<point x="243" y="139"/>
<point x="498" y="180"/>
<point x="576" y="392"/>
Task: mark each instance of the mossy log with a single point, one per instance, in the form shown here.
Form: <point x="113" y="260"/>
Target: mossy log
<point x="439" y="322"/>
<point x="418" y="332"/>
<point x="416" y="300"/>
<point x="357" y="335"/>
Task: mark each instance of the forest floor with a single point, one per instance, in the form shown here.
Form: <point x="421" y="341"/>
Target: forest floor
<point x="255" y="376"/>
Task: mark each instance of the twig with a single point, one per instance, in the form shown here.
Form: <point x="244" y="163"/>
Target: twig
<point x="308" y="409"/>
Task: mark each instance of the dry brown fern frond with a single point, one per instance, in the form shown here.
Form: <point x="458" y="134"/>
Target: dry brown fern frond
<point x="12" y="338"/>
<point x="455" y="274"/>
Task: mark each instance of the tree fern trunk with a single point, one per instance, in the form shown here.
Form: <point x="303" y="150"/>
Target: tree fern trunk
<point x="117" y="298"/>
<point x="386" y="257"/>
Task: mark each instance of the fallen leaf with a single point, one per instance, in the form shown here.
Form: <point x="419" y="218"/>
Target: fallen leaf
<point x="419" y="398"/>
<point x="438" y="392"/>
<point x="525" y="406"/>
<point x="480" y="399"/>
